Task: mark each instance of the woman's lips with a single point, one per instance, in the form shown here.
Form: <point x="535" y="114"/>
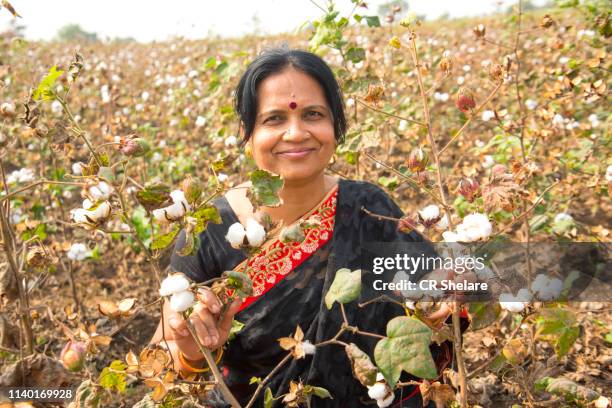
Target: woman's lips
<point x="296" y="154"/>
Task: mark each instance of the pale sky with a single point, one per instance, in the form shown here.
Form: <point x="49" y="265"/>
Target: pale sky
<point x="148" y="20"/>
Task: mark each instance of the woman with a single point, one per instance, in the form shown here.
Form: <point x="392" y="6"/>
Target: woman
<point x="292" y="117"/>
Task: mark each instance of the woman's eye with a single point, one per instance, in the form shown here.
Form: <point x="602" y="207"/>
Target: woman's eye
<point x="314" y="114"/>
<point x="272" y="118"/>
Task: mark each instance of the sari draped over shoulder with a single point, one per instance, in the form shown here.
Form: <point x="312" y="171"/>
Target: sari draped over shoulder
<point x="290" y="282"/>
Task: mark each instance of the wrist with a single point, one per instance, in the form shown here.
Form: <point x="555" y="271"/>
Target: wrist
<point x="193" y="356"/>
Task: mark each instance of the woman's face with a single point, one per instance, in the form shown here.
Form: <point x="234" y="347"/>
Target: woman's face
<point x="294" y="132"/>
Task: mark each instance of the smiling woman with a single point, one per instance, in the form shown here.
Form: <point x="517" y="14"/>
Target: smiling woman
<point x="292" y="117"/>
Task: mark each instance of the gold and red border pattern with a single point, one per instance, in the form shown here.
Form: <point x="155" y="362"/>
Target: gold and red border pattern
<point x="276" y="259"/>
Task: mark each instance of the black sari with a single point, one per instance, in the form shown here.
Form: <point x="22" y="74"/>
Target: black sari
<point x="298" y="300"/>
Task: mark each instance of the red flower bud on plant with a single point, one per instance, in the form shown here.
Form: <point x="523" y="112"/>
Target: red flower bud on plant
<point x="134" y="146"/>
<point x="465" y="100"/>
<point x="417" y="161"/>
<point x="469" y="188"/>
<point x="73" y="355"/>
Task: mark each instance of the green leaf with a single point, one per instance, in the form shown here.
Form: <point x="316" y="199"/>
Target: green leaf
<point x="236" y="327"/>
<point x="162" y="241"/>
<point x="239" y="282"/>
<point x="153" y="196"/>
<point x="113" y="377"/>
<point x="45" y="89"/>
<point x="191" y="245"/>
<point x="556" y="326"/>
<point x="608" y="338"/>
<point x="345" y="288"/>
<point x="568" y="390"/>
<point x="389" y="182"/>
<point x="355" y="54"/>
<point x="204" y="215"/>
<point x="537" y="222"/>
<point x="265" y="188"/>
<point x="406" y="347"/>
<point x="268" y="398"/>
<point x="321" y="392"/>
<point x="482" y="314"/>
<point x="373" y="21"/>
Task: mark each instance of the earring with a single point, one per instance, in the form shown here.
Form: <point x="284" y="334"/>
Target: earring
<point x="248" y="152"/>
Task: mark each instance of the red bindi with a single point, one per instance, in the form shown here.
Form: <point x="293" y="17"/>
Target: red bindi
<point x="293" y="105"/>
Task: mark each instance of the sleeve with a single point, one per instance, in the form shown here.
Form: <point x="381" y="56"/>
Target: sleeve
<point x="199" y="267"/>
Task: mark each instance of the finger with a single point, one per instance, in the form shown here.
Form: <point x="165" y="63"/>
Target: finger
<point x="209" y="299"/>
<point x="226" y="321"/>
<point x="200" y="330"/>
<point x="178" y="325"/>
<point x="443" y="312"/>
<point x="209" y="320"/>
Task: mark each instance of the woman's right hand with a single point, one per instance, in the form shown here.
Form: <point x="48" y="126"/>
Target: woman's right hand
<point x="211" y="327"/>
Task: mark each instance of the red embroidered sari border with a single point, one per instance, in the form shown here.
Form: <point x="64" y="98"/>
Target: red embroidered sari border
<point x="277" y="259"/>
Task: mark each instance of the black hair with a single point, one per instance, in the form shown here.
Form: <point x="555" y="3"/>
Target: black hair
<point x="275" y="60"/>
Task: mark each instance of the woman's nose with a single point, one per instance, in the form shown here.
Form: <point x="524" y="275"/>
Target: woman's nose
<point x="296" y="131"/>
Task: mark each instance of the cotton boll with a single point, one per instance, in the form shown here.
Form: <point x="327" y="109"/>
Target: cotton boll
<point x="509" y="303"/>
<point x="231" y="141"/>
<point x="235" y="235"/>
<point x="255" y="233"/>
<point x="100" y="191"/>
<point x="609" y="174"/>
<point x="78" y="252"/>
<point x="377" y="391"/>
<point x="442" y="224"/>
<point x="430" y="213"/>
<point x="475" y="227"/>
<point x="488" y="162"/>
<point x="563" y="217"/>
<point x="602" y="402"/>
<point x="77" y="168"/>
<point x="531" y="104"/>
<point x="200" y="121"/>
<point x="222" y="177"/>
<point x="174" y="283"/>
<point x="488" y="115"/>
<point x="385" y="402"/>
<point x="451" y="236"/>
<point x="308" y="347"/>
<point x="181" y="301"/>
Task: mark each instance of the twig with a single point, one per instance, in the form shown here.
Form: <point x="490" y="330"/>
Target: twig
<point x="37" y="183"/>
<point x="267" y="378"/>
<point x="393" y="115"/>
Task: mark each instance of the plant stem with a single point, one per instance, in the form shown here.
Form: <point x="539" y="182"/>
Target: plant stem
<point x="436" y="155"/>
<point x="266" y="379"/>
<point x="213" y="367"/>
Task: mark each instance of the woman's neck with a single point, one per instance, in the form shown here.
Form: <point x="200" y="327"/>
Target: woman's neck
<point x="300" y="197"/>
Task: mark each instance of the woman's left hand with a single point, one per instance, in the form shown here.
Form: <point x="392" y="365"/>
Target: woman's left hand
<point x="447" y="307"/>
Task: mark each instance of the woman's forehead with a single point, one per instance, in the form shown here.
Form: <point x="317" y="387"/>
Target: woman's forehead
<point x="289" y="86"/>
